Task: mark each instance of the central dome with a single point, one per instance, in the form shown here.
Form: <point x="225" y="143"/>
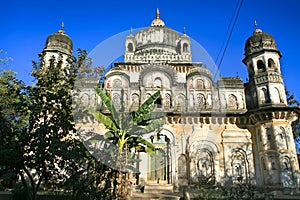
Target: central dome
<point x="157" y="43"/>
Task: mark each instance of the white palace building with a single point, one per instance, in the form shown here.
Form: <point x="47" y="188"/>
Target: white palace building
<point x="226" y="129"/>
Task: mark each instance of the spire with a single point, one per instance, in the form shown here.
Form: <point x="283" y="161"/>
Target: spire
<point x="255" y="24"/>
<point x="256" y="30"/>
<point x="130" y="30"/>
<point x="62" y="31"/>
<point x="184" y="30"/>
<point x="157" y="21"/>
<point x="157" y="13"/>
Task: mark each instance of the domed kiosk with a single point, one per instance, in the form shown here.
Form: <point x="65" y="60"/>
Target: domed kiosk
<point x="58" y="46"/>
<point x="59" y="41"/>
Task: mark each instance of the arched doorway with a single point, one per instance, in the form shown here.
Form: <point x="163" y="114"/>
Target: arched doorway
<point x="159" y="162"/>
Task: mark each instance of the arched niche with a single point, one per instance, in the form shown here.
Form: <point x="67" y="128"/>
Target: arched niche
<point x="232" y="103"/>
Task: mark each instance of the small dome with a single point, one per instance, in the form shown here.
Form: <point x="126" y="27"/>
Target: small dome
<point x="260" y="41"/>
<point x="157" y="21"/>
<point x="59" y="41"/>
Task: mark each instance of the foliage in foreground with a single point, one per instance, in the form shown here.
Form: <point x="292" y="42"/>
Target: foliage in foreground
<point x="125" y="132"/>
<point x="38" y="135"/>
<point x="208" y="188"/>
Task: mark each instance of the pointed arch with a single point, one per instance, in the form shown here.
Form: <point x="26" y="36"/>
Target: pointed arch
<point x="232" y="102"/>
<point x="157" y="83"/>
<point x="200" y="100"/>
<point x="204" y="159"/>
<point x="271" y="63"/>
<point x="117" y="83"/>
<point x="260" y="65"/>
<point x="239" y="165"/>
<point x="185" y="47"/>
<point x="116" y="99"/>
<point x="264" y="96"/>
<point x="181" y="102"/>
<point x="135" y="98"/>
<point x="130" y="47"/>
<point x="205" y="163"/>
<point x="200" y="84"/>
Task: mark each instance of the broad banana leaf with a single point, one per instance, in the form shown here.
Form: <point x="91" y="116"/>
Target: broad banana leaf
<point x="108" y="123"/>
<point x="108" y="103"/>
<point x="152" y="126"/>
<point x="145" y="108"/>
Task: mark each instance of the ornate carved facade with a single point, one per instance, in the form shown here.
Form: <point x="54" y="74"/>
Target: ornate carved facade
<point x="227" y="130"/>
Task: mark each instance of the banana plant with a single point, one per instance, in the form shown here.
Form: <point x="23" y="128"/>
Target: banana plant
<point x="126" y="130"/>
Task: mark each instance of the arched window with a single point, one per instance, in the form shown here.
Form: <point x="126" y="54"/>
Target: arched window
<point x="205" y="163"/>
<point x="167" y="101"/>
<point x="181" y="102"/>
<point x="265" y="96"/>
<point x="239" y="165"/>
<point x="116" y="99"/>
<point x="200" y="84"/>
<point x="282" y="138"/>
<point x="117" y="83"/>
<point x="135" y="100"/>
<point x="200" y="100"/>
<point x="157" y="83"/>
<point x="260" y="65"/>
<point x="158" y="102"/>
<point x="130" y="47"/>
<point x="271" y="63"/>
<point x="278" y="98"/>
<point x="232" y="102"/>
<point x="185" y="47"/>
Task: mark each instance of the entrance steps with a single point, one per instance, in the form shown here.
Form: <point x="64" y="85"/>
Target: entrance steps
<point x="156" y="191"/>
<point x="158" y="188"/>
<point x="153" y="196"/>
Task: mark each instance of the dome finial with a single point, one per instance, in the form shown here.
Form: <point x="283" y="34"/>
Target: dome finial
<point x="157" y="21"/>
<point x="184" y="30"/>
<point x="62" y="31"/>
<point x="255" y="24"/>
<point x="256" y="30"/>
<point x="157" y="13"/>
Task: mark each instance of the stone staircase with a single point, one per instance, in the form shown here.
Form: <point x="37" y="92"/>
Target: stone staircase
<point x="158" y="188"/>
<point x="156" y="191"/>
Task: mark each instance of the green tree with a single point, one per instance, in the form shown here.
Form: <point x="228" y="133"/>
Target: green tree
<point x="37" y="132"/>
<point x="125" y="131"/>
<point x="296" y="124"/>
<point x="50" y="132"/>
<point x="88" y="178"/>
<point x="14" y="115"/>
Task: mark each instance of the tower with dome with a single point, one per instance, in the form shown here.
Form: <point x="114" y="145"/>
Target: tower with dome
<point x="225" y="129"/>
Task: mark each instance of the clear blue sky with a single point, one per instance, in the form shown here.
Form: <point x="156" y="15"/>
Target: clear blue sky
<point x="25" y="26"/>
